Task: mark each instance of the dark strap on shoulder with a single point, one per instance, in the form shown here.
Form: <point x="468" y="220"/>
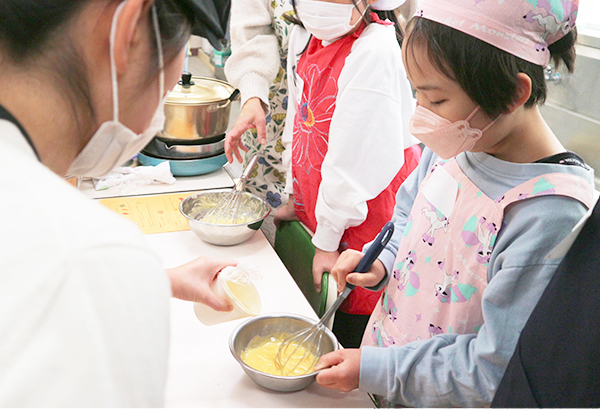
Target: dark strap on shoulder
<point x="4" y="114"/>
<point x="564" y="158"/>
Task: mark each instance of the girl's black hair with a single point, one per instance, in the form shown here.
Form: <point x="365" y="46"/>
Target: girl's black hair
<point x="34" y="31"/>
<point x="27" y="27"/>
<point x="390" y="15"/>
<point x="487" y="74"/>
<point x="175" y="26"/>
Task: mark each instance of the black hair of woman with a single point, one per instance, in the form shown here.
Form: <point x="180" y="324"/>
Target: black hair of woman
<point x="29" y="26"/>
<point x="486" y="73"/>
<point x="32" y="33"/>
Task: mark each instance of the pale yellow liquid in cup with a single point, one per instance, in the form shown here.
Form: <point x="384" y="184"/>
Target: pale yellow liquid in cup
<point x="261" y="354"/>
<point x="243" y="296"/>
<point x="246" y="296"/>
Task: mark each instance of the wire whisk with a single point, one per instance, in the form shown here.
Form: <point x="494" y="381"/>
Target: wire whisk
<point x="227" y="211"/>
<point x="305" y="347"/>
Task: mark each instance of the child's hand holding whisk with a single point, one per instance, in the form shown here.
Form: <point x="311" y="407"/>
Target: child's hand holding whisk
<point x="346" y="263"/>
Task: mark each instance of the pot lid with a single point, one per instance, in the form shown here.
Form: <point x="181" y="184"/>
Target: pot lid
<point x="199" y="90"/>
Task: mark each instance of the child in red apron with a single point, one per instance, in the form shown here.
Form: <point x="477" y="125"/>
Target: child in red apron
<point x="347" y="142"/>
<point x="494" y="193"/>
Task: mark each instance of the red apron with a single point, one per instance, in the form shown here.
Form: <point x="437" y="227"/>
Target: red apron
<point x="319" y="68"/>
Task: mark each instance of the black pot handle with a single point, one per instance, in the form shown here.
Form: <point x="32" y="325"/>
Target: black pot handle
<point x="234" y="95"/>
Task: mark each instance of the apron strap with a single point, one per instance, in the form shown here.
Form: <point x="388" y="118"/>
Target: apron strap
<point x="563" y="184"/>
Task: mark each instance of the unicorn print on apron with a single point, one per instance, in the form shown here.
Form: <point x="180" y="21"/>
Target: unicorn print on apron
<point x="441" y="267"/>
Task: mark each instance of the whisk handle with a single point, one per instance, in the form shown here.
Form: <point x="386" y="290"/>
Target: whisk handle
<point x="363" y="266"/>
<point x="249" y="168"/>
<point x="374" y="251"/>
<point x="336" y="304"/>
<point x="227" y="169"/>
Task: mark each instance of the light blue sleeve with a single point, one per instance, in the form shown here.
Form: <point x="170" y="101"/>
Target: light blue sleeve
<point x="465" y="370"/>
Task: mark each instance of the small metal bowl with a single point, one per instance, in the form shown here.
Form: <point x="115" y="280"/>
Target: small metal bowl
<point x="194" y="208"/>
<point x="266" y="325"/>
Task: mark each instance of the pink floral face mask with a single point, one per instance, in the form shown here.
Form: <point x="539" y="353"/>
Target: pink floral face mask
<point x="447" y="139"/>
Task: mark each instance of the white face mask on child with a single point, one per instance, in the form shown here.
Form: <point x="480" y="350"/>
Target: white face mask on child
<point x="113" y="143"/>
<point x="324" y="20"/>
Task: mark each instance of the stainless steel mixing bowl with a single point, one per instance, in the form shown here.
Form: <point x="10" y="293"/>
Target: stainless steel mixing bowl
<point x="194" y="208"/>
<point x="267" y="325"/>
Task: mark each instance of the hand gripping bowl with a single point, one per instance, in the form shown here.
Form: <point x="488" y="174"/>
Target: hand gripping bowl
<point x="194" y="207"/>
<point x="267" y="325"/>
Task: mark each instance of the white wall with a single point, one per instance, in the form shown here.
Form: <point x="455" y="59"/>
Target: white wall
<point x="572" y="109"/>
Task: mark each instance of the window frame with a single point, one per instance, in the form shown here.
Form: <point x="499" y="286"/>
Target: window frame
<point x="590" y="38"/>
<point x="589" y="33"/>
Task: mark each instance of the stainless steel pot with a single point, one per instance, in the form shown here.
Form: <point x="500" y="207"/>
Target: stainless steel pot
<point x="198" y="108"/>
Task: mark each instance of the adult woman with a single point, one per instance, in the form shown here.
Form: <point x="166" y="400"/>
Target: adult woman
<point x="259" y="42"/>
<point x="88" y="301"/>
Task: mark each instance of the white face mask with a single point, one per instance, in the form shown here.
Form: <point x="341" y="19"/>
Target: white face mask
<point x="324" y="20"/>
<point x="113" y="143"/>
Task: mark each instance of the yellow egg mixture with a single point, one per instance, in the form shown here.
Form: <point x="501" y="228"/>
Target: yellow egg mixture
<point x="228" y="218"/>
<point x="261" y="354"/>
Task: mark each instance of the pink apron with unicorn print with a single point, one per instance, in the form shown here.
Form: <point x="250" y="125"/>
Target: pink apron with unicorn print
<point x="441" y="267"/>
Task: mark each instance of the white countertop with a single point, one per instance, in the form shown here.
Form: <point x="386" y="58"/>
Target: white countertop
<point x="213" y="180"/>
<point x="202" y="371"/>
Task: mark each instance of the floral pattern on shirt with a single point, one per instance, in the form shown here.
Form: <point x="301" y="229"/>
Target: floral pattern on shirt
<point x="268" y="179"/>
